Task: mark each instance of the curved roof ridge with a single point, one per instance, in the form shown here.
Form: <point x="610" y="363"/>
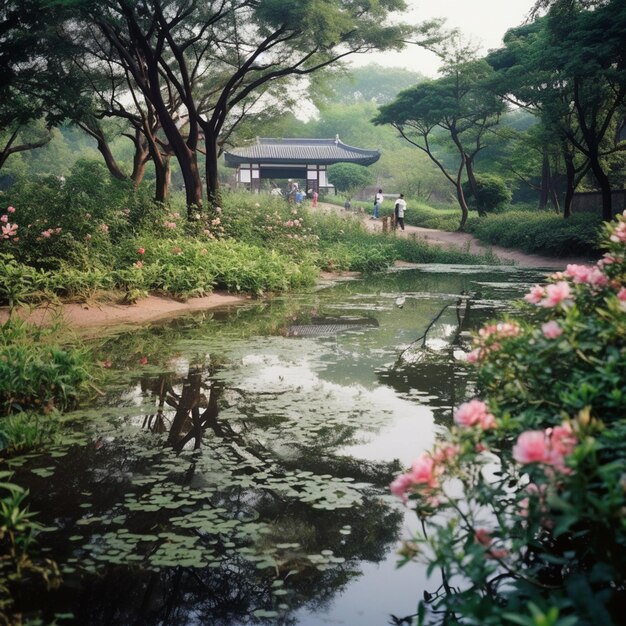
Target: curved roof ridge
<point x="300" y="150"/>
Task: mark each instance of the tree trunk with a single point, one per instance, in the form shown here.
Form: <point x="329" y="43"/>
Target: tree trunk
<point x="140" y="158"/>
<point x="163" y="175"/>
<point x="461" y="197"/>
<point x="545" y="180"/>
<point x="93" y="129"/>
<point x="211" y="173"/>
<point x="471" y="179"/>
<point x="604" y="184"/>
<point x="570" y="187"/>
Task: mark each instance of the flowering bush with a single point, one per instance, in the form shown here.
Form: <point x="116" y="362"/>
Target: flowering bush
<point x="523" y="509"/>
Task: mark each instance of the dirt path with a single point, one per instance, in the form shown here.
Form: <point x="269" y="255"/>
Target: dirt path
<point x="90" y="319"/>
<point x="463" y="241"/>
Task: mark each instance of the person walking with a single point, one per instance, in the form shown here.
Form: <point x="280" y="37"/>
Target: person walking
<point x="400" y="208"/>
<point x="378" y="201"/>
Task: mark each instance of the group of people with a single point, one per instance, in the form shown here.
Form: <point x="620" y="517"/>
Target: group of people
<point x="399" y="208"/>
<point x="295" y="194"/>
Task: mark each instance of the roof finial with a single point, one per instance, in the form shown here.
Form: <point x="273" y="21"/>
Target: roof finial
<point x="337" y="138"/>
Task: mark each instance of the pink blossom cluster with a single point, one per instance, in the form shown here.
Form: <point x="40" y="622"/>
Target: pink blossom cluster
<point x="548" y="447"/>
<point x="425" y="472"/>
<point x="488" y="339"/>
<point x="551" y="330"/>
<point x="104" y="228"/>
<point x="587" y="274"/>
<point x="558" y="293"/>
<point x="8" y="230"/>
<point x="170" y="225"/>
<point x="474" y="413"/>
<point x="46" y="234"/>
<point x="501" y="329"/>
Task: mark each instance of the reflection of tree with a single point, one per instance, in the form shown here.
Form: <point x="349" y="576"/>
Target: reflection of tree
<point x="435" y="372"/>
<point x="232" y="589"/>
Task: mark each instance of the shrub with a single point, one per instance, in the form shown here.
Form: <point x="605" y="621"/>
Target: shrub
<point x="349" y="177"/>
<point x="539" y="232"/>
<point x="522" y="506"/>
<point x="492" y="194"/>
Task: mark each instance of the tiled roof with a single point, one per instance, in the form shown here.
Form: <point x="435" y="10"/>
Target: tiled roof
<point x="300" y="151"/>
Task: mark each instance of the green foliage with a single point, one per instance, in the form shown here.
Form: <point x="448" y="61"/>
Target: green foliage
<point x="532" y="533"/>
<point x="540" y="232"/>
<point x="349" y="177"/>
<point x="19" y="283"/>
<point x="18" y="531"/>
<point x="38" y="374"/>
<point x="492" y="194"/>
<point x="25" y="431"/>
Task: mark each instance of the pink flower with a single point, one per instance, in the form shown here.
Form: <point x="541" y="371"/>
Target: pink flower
<point x="423" y="471"/>
<point x="176" y="250"/>
<point x="558" y="293"/>
<point x="104" y="228"/>
<point x="501" y="329"/>
<point x="4" y="219"/>
<point x="621" y="294"/>
<point x="446" y="454"/>
<point x="47" y="233"/>
<point x="474" y="413"/>
<point x="535" y="295"/>
<point x="549" y="447"/>
<point x="608" y="259"/>
<point x="8" y="231"/>
<point x="138" y="264"/>
<point x="11" y="209"/>
<point x="474" y="356"/>
<point x="401" y="485"/>
<point x="531" y="447"/>
<point x="578" y="272"/>
<point x="551" y="330"/>
<point x="143" y="360"/>
<point x="141" y="251"/>
<point x="562" y="440"/>
<point x="171" y="225"/>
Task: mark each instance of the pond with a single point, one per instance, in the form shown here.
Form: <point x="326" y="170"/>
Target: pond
<point x="236" y="469"/>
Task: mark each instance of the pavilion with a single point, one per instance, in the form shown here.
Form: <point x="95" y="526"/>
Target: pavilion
<point x="298" y="159"/>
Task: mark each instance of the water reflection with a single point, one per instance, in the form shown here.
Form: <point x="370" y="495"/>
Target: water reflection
<point x="241" y="475"/>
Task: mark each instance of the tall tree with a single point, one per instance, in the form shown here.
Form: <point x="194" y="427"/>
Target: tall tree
<point x="200" y="64"/>
<point x="460" y="105"/>
<point x="19" y="51"/>
<point x="570" y="68"/>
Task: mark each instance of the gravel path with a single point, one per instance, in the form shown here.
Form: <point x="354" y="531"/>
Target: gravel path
<point x="464" y="241"/>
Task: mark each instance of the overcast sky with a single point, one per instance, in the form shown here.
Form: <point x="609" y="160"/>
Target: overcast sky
<point x="483" y="21"/>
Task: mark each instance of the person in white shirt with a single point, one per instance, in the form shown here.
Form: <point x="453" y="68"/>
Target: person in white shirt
<point x="378" y="200"/>
<point x="400" y="209"/>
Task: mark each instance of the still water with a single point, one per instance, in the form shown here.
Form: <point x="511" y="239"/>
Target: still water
<point x="236" y="469"/>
